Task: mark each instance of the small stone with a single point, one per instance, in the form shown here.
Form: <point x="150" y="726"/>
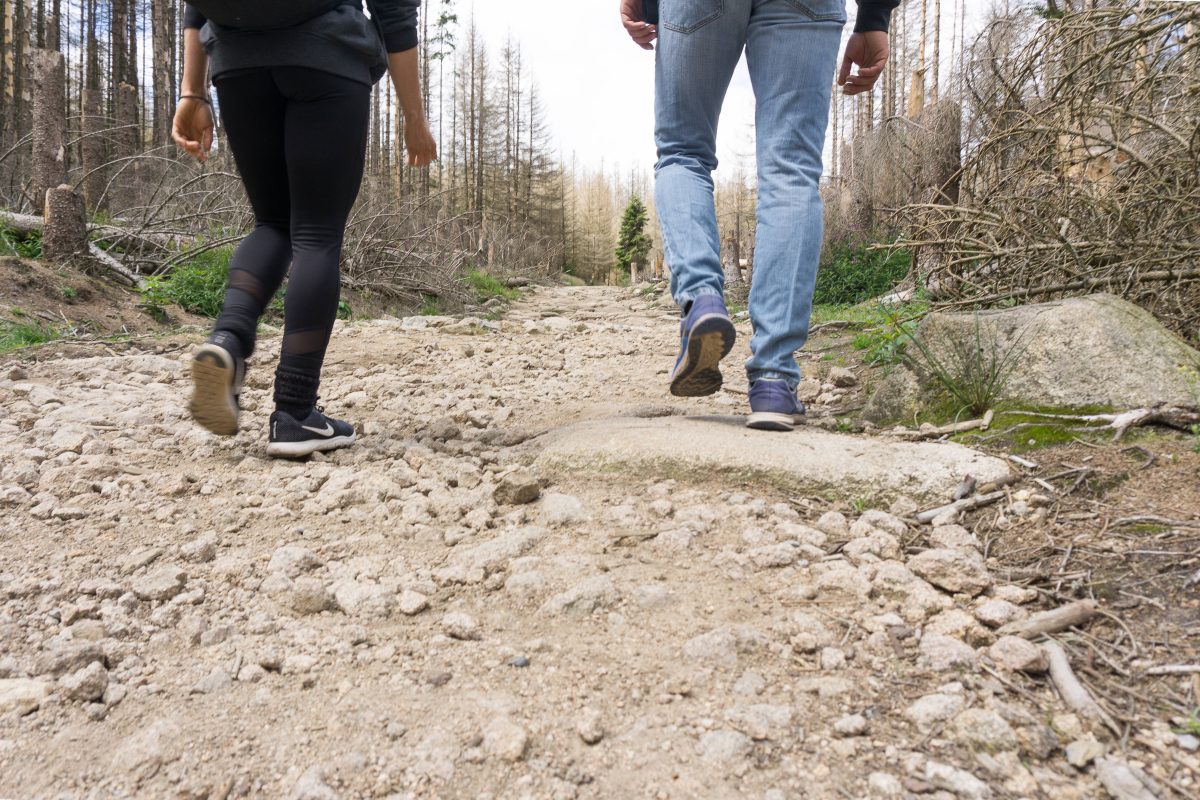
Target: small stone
<point x="200" y="550"/>
<point x="955" y="537"/>
<point x="519" y="662"/>
<point x="312" y="786"/>
<point x="215" y="681"/>
<point x="517" y="488"/>
<point x="364" y="599"/>
<point x="751" y="683"/>
<point x="140" y="558"/>
<point x="1017" y="595"/>
<point x="291" y="560"/>
<point x="86" y="685"/>
<point x="251" y="673"/>
<point x="309" y="596"/>
<point x="589" y="727"/>
<point x="589" y="595"/>
<point x="563" y="509"/>
<point x="951" y="571"/>
<point x="985" y="730"/>
<point x="141" y="755"/>
<point x="1188" y="742"/>
<point x="851" y="725"/>
<point x="842" y="377"/>
<point x="960" y="782"/>
<point x="832" y="659"/>
<point x="941" y="653"/>
<point x="436" y="677"/>
<point x="1016" y="654"/>
<point x="834" y="525"/>
<point x="1084" y="751"/>
<point x="297" y="664"/>
<point x="651" y="596"/>
<point x="412" y="603"/>
<point x="161" y="584"/>
<point x="995" y="613"/>
<point x="721" y="747"/>
<point x="884" y="785"/>
<point x="505" y="739"/>
<point x="926" y="711"/>
<point x="21" y="696"/>
<point x="458" y="625"/>
<point x="774" y="556"/>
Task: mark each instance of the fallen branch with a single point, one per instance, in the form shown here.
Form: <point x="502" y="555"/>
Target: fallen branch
<point x="1178" y="417"/>
<point x="1022" y="462"/>
<point x="114" y="266"/>
<point x="1073" y="693"/>
<point x="1123" y="782"/>
<point x="931" y="432"/>
<point x="1057" y="619"/>
<point x="1175" y="669"/>
<point x="971" y="503"/>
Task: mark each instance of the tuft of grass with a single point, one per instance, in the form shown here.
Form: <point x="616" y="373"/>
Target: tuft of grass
<point x="68" y="292"/>
<point x="974" y="372"/>
<point x="196" y="285"/>
<point x="22" y="245"/>
<point x="15" y="335"/>
<point x="432" y="306"/>
<point x="852" y="274"/>
<point x="486" y="286"/>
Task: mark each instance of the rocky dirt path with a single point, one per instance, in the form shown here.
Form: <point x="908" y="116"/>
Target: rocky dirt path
<point x="432" y="614"/>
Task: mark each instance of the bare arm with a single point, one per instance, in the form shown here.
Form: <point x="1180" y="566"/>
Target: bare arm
<point x="193" y="126"/>
<point x="403" y="66"/>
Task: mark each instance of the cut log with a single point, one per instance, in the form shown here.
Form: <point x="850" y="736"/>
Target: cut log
<point x="65" y="235"/>
<point x="1052" y="621"/>
<point x="49" y="122"/>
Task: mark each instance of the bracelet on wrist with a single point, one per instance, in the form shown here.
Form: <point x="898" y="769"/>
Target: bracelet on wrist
<point x="199" y="97"/>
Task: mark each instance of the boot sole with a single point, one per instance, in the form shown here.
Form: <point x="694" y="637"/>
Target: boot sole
<point x="213" y="376"/>
<point x="710" y="340"/>
<point x="772" y="421"/>
<point x="302" y="449"/>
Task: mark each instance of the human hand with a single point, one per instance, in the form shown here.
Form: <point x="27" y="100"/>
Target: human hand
<point x="421" y="146"/>
<point x="869" y="52"/>
<point x="642" y="33"/>
<point x="193" y="127"/>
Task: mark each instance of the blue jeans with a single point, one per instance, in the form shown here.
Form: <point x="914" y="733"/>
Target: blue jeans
<point x="791" y="48"/>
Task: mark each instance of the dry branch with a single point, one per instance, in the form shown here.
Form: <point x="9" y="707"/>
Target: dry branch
<point x="1073" y="693"/>
<point x="1058" y="619"/>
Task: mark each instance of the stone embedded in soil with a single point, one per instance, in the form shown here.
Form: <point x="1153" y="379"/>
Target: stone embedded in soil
<point x="995" y="613"/>
<point x="309" y="596"/>
<point x="505" y="740"/>
<point x="462" y="626"/>
<point x="589" y="727"/>
<point x="517" y="488"/>
<point x="589" y="595"/>
<point x="563" y="509"/>
<point x="960" y="782"/>
<point x="412" y="603"/>
<point x="160" y="584"/>
<point x="312" y="786"/>
<point x="926" y="711"/>
<point x="981" y="729"/>
<point x="809" y="461"/>
<point x="951" y="570"/>
<point x="87" y="684"/>
<point x="721" y="747"/>
<point x="1017" y="654"/>
<point x="851" y="725"/>
<point x="1084" y="751"/>
<point x="943" y="653"/>
<point x="291" y="560"/>
<point x="21" y="696"/>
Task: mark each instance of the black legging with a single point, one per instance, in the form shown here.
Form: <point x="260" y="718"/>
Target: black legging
<point x="299" y="138"/>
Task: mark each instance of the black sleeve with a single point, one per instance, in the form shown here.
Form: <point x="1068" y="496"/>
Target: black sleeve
<point x="874" y="15"/>
<point x="398" y="20"/>
<point x="192" y="18"/>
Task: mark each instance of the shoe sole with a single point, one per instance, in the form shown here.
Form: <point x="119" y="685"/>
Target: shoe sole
<point x="302" y="449"/>
<point x="772" y="421"/>
<point x="710" y="340"/>
<point x="213" y="376"/>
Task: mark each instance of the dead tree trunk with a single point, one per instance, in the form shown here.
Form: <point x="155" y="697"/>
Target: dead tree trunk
<point x="65" y="234"/>
<point x="92" y="147"/>
<point x="163" y="44"/>
<point x="49" y="122"/>
<point x="124" y="186"/>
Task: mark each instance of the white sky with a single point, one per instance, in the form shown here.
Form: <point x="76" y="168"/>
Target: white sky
<point x="598" y="86"/>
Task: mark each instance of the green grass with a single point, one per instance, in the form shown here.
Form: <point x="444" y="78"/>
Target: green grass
<point x="15" y="335"/>
<point x="21" y="245"/>
<point x="487" y="286"/>
<point x="853" y="274"/>
<point x="196" y="284"/>
<point x="431" y="307"/>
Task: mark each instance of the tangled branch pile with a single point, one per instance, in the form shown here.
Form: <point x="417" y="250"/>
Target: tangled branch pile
<point x="1082" y="170"/>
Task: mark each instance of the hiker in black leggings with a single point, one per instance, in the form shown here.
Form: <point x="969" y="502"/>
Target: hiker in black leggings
<point x="295" y="100"/>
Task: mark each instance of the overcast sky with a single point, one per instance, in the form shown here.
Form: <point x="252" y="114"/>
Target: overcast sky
<point x="599" y="87"/>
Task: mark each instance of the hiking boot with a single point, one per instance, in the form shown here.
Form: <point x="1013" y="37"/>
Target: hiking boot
<point x="295" y="438"/>
<point x="773" y="406"/>
<point x="217" y="375"/>
<point x="706" y="336"/>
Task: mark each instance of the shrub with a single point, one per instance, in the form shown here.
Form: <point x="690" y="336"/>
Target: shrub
<point x="196" y="285"/>
<point x="486" y="286"/>
<point x="23" y="245"/>
<point x="15" y="335"/>
<point x="850" y="275"/>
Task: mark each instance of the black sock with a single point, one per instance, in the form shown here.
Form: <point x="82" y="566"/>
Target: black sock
<point x="297" y="380"/>
<point x="230" y="342"/>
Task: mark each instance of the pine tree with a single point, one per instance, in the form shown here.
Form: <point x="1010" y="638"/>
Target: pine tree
<point x="632" y="242"/>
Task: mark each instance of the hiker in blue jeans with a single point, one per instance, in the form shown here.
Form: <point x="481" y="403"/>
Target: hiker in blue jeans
<point x="791" y="49"/>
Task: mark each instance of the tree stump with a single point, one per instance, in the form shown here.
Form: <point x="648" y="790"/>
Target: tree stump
<point x="49" y="121"/>
<point x="65" y="235"/>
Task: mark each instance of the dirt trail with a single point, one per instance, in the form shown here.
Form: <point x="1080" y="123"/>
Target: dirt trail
<point x="182" y="617"/>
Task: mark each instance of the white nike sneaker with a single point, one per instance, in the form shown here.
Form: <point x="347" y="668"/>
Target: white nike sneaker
<point x="296" y="438"/>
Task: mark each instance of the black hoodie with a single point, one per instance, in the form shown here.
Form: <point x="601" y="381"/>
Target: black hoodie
<point x="341" y="41"/>
<point x="873" y="15"/>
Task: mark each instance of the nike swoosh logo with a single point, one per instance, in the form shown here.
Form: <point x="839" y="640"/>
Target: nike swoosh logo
<point x="326" y="431"/>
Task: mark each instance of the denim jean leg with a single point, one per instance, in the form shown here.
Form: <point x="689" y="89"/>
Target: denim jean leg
<point x="792" y="48"/>
<point x="699" y="44"/>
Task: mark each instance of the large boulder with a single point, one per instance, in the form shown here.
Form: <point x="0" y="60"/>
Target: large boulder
<point x="1094" y="351"/>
